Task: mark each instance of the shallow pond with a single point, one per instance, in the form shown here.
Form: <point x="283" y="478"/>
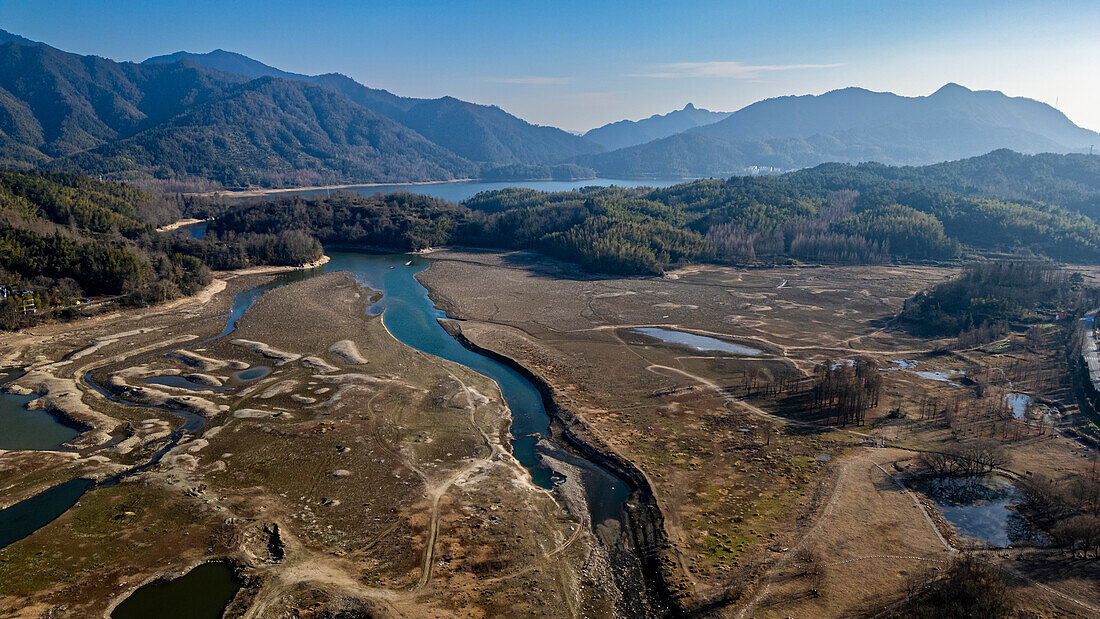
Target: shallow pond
<point x="23" y="428"/>
<point x="29" y="515"/>
<point x="197" y="231"/>
<point x="202" y="593"/>
<point x="979" y="507"/>
<point x="252" y="373"/>
<point x="946" y="376"/>
<point x="698" y="342"/>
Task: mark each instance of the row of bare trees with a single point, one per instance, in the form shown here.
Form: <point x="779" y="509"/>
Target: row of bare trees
<point x="978" y="457"/>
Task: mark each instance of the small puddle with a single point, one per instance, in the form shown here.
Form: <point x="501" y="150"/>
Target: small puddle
<point x="1019" y="403"/>
<point x="252" y="373"/>
<point x="24" y="428"/>
<point x="698" y="342"/>
<point x="946" y="376"/>
<point x="979" y="508"/>
<point x="179" y="382"/>
<point x="202" y="593"/>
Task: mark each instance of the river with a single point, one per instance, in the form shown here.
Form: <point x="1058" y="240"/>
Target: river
<point x="409" y="314"/>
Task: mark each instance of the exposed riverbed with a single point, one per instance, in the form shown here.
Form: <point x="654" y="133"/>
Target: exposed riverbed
<point x="409" y="314"/>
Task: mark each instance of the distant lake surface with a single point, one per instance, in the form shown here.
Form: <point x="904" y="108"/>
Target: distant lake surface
<point x="457" y="192"/>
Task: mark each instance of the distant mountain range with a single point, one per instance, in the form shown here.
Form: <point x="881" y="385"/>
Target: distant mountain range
<point x="480" y="133"/>
<point x="224" y="117"/>
<point x="853" y="125"/>
<point x="626" y="133"/>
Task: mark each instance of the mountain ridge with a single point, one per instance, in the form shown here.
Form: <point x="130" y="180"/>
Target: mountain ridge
<point x="852" y="125"/>
<point x="624" y="133"/>
<point x="178" y="121"/>
<point x="481" y="133"/>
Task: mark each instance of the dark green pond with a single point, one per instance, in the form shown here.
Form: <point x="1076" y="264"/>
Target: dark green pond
<point x="202" y="593"/>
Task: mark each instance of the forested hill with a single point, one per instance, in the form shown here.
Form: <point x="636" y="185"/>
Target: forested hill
<point x="272" y="132"/>
<point x="1070" y="181"/>
<point x="853" y="125"/>
<point x="178" y="121"/>
<point x="481" y="133"/>
<point x="834" y="213"/>
<point x="65" y="236"/>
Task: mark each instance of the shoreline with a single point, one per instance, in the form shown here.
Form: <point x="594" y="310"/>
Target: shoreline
<point x="645" y="523"/>
<point x="176" y="225"/>
<point x="256" y="193"/>
<point x="259" y="193"/>
<point x="264" y="270"/>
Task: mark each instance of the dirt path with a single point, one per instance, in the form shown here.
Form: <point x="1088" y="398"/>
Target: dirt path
<point x="762" y="592"/>
<point x="923" y="510"/>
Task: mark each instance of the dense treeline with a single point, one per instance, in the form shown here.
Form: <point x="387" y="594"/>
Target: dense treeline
<point x="81" y="202"/>
<point x="229" y="250"/>
<point x="64" y="237"/>
<point x="831" y="214"/>
<point x="989" y="296"/>
<point x="603" y="231"/>
<point x="846" y="390"/>
<point x="401" y="221"/>
<point x="101" y="236"/>
<point x="1070" y="181"/>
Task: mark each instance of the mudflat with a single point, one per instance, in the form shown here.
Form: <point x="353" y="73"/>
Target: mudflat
<point x="373" y="477"/>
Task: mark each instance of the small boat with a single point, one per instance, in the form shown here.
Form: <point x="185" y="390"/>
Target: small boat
<point x="409" y="263"/>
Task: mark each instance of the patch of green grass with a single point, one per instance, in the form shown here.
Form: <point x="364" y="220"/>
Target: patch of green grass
<point x="94" y="535"/>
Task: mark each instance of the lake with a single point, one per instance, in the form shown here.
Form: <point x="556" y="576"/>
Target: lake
<point x="23" y="428"/>
<point x="457" y="192"/>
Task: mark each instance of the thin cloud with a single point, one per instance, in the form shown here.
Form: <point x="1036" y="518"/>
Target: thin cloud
<point x="724" y="69"/>
<point x="534" y="79"/>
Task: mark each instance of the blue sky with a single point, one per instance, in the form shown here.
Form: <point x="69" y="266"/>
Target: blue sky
<point x="580" y="64"/>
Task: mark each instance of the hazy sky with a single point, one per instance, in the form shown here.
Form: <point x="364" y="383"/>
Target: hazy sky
<point x="577" y="65"/>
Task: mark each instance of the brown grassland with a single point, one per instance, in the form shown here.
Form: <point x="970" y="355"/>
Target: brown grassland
<point x="362" y="475"/>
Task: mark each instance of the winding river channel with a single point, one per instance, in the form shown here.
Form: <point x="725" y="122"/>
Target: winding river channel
<point x="411" y="316"/>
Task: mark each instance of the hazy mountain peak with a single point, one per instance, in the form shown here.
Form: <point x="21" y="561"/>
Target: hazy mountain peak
<point x="853" y="125"/>
<point x="629" y="133"/>
<point x="951" y="88"/>
<point x="230" y="62"/>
